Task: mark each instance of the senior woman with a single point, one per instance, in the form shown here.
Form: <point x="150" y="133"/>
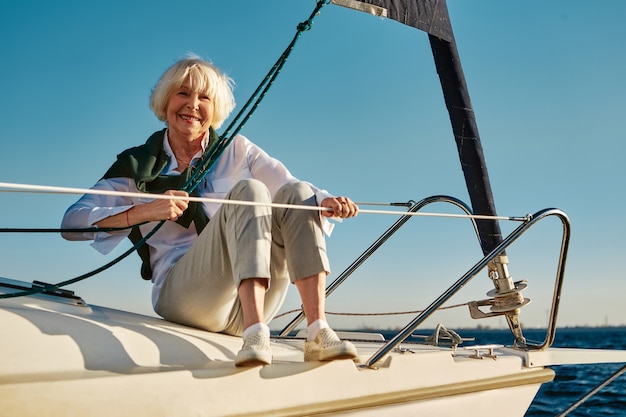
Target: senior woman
<point x="220" y="267"/>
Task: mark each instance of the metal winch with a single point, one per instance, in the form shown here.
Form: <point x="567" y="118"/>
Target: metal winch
<point x="506" y="298"/>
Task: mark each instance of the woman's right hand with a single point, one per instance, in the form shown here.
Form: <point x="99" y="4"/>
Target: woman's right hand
<point x="155" y="210"/>
<point x="160" y="209"/>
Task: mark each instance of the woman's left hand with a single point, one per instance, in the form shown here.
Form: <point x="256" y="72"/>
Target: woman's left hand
<point x="342" y="207"/>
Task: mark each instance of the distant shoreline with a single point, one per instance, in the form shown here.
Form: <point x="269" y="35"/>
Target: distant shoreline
<point x="498" y="329"/>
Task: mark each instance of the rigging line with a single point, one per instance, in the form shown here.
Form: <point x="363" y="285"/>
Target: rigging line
<point x="259" y="94"/>
<point x="54" y="287"/>
<point x="388" y="313"/>
<point x="58" y="230"/>
<point x="263" y="87"/>
<point x="67" y="190"/>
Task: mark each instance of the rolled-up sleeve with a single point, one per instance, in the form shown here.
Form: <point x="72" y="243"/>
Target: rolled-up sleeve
<point x="92" y="208"/>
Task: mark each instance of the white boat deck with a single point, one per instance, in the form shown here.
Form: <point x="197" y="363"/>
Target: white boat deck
<point x="98" y="361"/>
<point x="89" y="360"/>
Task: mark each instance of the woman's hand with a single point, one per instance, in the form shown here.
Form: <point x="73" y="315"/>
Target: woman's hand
<point x="342" y="207"/>
<point x="160" y="209"/>
<point x="155" y="210"/>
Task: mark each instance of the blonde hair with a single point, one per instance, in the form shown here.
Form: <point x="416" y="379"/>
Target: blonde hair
<point x="203" y="77"/>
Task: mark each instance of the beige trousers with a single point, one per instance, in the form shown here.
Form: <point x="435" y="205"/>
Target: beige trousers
<point x="245" y="242"/>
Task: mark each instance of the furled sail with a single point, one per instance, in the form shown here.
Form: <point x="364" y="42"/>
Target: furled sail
<point x="431" y="16"/>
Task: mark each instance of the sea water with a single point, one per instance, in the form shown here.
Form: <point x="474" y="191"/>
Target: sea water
<point x="572" y="382"/>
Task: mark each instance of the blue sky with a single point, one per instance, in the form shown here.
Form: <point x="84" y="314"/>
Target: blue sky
<point x="357" y="110"/>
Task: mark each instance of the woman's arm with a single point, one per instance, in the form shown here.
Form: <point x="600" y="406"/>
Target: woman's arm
<point x="156" y="210"/>
<point x="92" y="208"/>
<point x="116" y="211"/>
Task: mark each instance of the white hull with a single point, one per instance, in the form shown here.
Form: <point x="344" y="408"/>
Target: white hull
<point x="61" y="359"/>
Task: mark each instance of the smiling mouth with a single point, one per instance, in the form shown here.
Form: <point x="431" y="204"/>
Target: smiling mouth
<point x="190" y="118"/>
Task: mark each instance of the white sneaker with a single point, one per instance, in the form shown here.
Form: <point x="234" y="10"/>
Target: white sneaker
<point x="327" y="346"/>
<point x="256" y="350"/>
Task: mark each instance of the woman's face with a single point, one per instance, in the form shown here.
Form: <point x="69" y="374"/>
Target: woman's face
<point x="189" y="113"/>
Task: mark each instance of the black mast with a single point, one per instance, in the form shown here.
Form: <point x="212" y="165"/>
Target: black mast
<point x="465" y="130"/>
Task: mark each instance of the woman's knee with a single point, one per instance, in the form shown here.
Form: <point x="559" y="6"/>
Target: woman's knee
<point x="295" y="193"/>
<point x="250" y="189"/>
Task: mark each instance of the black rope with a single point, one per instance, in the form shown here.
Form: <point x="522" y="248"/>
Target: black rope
<point x="68" y="230"/>
<point x="54" y="287"/>
<point x="256" y="98"/>
<point x="203" y="167"/>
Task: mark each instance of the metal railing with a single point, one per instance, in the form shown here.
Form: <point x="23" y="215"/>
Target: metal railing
<point x="452" y="290"/>
<point x="413" y="208"/>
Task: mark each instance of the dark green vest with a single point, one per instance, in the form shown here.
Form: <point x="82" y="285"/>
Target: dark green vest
<point x="145" y="164"/>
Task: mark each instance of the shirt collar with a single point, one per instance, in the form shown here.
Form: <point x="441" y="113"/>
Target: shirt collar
<point x="173" y="164"/>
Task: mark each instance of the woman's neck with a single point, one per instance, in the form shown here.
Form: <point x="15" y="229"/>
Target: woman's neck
<point x="185" y="149"/>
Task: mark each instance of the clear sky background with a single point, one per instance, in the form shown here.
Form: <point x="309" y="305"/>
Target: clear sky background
<point x="357" y="110"/>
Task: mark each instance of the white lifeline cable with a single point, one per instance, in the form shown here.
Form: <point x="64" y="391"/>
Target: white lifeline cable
<point x="46" y="189"/>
